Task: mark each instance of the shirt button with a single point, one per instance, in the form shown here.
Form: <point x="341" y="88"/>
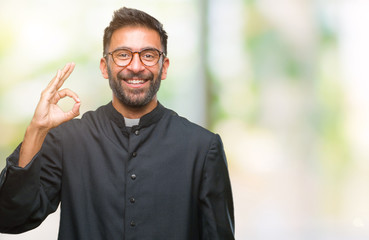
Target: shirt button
<point x="133" y="176"/>
<point x="132" y="200"/>
<point x="134" y="154"/>
<point x="137" y="132"/>
<point x="133" y="223"/>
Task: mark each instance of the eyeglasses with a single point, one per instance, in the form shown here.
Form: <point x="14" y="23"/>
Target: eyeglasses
<point x="123" y="57"/>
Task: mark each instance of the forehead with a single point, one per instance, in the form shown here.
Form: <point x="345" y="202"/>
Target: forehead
<point x="135" y="38"/>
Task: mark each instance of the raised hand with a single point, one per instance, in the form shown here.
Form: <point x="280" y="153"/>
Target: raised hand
<point x="48" y="114"/>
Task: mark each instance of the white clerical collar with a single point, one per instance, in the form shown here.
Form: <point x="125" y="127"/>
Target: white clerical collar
<point x="131" y="122"/>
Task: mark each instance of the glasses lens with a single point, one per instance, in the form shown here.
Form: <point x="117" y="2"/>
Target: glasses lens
<point x="122" y="57"/>
<point x="150" y="57"/>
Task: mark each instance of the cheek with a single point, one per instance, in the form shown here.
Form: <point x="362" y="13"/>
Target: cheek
<point x="115" y="72"/>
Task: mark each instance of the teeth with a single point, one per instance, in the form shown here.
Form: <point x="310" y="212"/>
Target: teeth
<point x="136" y="81"/>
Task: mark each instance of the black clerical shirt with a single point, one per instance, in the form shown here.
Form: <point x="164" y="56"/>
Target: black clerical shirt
<point x="164" y="179"/>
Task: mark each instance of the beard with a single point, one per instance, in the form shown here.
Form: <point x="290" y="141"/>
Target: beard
<point x="135" y="98"/>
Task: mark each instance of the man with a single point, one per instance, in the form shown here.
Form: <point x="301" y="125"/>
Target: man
<point x="132" y="169"/>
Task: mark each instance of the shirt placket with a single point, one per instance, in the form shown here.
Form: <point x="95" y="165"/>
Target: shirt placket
<point x="132" y="185"/>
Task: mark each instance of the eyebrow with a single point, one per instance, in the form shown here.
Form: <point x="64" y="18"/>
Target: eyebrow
<point x="130" y="49"/>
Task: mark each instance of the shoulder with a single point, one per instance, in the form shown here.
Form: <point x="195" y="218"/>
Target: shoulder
<point x="206" y="144"/>
<point x="183" y="127"/>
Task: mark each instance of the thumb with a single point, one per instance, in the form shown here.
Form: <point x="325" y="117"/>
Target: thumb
<point x="74" y="112"/>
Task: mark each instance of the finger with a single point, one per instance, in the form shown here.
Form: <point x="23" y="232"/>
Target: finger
<point x="74" y="112"/>
<point x="66" y="72"/>
<point x="50" y="90"/>
<point x="68" y="93"/>
<point x="52" y="82"/>
<point x="59" y="79"/>
<point x="70" y="69"/>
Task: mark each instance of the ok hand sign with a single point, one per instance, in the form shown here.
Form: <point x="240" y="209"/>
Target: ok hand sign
<point x="48" y="114"/>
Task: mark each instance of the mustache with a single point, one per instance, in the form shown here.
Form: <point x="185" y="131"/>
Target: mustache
<point x="131" y="75"/>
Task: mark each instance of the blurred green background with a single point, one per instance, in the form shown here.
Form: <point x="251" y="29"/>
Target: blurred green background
<point x="285" y="84"/>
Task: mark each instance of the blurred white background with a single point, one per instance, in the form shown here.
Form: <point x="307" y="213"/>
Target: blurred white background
<point x="285" y="83"/>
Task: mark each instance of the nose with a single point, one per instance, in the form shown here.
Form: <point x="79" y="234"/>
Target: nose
<point x="136" y="65"/>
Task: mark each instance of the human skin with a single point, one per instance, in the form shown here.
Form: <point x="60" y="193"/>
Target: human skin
<point x="48" y="115"/>
<point x="135" y="39"/>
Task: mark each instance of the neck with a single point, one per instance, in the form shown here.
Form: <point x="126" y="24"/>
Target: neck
<point x="134" y="112"/>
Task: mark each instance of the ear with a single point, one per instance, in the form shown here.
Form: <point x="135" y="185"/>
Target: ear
<point x="104" y="68"/>
<point x="165" y="68"/>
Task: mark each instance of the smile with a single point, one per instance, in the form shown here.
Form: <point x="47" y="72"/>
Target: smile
<point x="135" y="81"/>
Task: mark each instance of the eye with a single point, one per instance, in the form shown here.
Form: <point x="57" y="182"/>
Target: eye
<point x="122" y="54"/>
<point x="149" y="55"/>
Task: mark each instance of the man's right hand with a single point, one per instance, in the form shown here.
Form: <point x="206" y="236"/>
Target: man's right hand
<point x="48" y="115"/>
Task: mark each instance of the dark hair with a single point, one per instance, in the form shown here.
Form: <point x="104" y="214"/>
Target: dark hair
<point x="125" y="17"/>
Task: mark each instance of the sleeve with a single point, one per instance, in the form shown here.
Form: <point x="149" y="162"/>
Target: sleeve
<point x="216" y="202"/>
<point x="28" y="195"/>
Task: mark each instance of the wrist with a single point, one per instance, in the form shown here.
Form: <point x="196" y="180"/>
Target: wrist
<point x="37" y="128"/>
<point x="36" y="132"/>
<point x="32" y="143"/>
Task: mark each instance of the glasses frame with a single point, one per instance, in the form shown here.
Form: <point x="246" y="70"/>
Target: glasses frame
<point x="133" y="53"/>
